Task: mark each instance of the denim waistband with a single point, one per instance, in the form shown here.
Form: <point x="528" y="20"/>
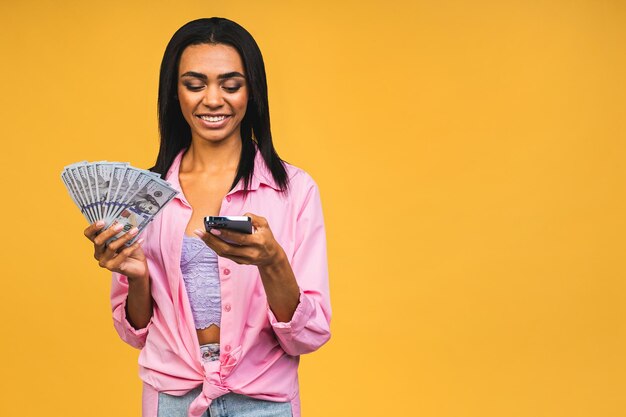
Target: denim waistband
<point x="210" y="352"/>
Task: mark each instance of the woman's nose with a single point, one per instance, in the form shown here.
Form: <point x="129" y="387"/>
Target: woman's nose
<point x="213" y="97"/>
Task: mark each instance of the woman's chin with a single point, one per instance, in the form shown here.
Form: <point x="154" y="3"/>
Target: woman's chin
<point x="216" y="137"/>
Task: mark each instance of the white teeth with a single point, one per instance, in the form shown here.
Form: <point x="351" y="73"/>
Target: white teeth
<point x="213" y="118"/>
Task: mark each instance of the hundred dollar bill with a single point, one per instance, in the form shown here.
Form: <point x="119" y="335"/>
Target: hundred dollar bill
<point x="147" y="202"/>
<point x="137" y="178"/>
<point x="82" y="190"/>
<point x="131" y="183"/>
<point x="93" y="188"/>
<point x="73" y="193"/>
<point x="71" y="188"/>
<point x="76" y="189"/>
<point x="102" y="184"/>
<point x="104" y="172"/>
<point x="117" y="176"/>
<point x="81" y="171"/>
<point x="124" y="178"/>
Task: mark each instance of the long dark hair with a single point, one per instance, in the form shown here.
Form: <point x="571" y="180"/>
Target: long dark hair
<point x="255" y="127"/>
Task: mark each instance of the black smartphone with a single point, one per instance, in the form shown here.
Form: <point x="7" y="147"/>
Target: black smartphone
<point x="242" y="224"/>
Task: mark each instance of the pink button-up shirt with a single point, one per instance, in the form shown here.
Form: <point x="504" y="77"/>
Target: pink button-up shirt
<point x="259" y="355"/>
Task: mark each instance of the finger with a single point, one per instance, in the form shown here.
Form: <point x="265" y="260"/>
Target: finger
<point x="126" y="237"/>
<point x="211" y="241"/>
<point x="244" y="255"/>
<point x="239" y="254"/>
<point x="232" y="236"/>
<point x="110" y="251"/>
<point x="221" y="247"/>
<point x="101" y="239"/>
<point x="93" y="229"/>
<point x="257" y="221"/>
<point x="127" y="252"/>
<point x="220" y="236"/>
<point x="132" y="248"/>
<point x="105" y="235"/>
<point x="117" y="262"/>
<point x="200" y="233"/>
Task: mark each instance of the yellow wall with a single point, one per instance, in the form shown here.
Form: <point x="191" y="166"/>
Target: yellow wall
<point x="471" y="160"/>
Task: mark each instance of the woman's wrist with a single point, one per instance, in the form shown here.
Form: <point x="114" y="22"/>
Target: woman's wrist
<point x="138" y="279"/>
<point x="281" y="287"/>
<point x="277" y="264"/>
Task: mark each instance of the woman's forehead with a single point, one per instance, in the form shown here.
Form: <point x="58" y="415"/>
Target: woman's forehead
<point x="210" y="59"/>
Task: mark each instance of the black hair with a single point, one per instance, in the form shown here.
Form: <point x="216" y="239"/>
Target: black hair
<point x="175" y="133"/>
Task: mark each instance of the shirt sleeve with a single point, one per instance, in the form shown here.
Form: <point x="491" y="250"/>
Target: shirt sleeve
<point x="119" y="293"/>
<point x="309" y="327"/>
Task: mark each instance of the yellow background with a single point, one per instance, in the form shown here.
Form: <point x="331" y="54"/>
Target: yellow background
<point x="471" y="160"/>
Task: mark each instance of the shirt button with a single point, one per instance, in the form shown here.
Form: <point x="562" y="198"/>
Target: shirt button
<point x="228" y="198"/>
<point x="227" y="308"/>
<point x="226" y="271"/>
<point x="227" y="348"/>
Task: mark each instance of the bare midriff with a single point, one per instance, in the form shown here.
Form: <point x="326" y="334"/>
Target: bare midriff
<point x="209" y="335"/>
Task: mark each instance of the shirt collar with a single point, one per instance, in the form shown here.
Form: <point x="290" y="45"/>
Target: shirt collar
<point x="262" y="175"/>
<point x="172" y="177"/>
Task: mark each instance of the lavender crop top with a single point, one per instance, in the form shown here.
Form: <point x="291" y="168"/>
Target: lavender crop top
<point x="198" y="263"/>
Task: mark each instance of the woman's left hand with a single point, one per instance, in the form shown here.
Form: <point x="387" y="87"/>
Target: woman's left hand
<point x="258" y="248"/>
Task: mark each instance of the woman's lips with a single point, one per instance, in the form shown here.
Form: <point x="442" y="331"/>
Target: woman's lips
<point x="213" y="122"/>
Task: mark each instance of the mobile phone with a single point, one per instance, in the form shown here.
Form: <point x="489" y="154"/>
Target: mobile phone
<point x="242" y="224"/>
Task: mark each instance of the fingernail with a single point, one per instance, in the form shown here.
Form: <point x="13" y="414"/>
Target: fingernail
<point x="139" y="241"/>
<point x="100" y="223"/>
<point x="118" y="227"/>
<point x="133" y="231"/>
<point x="215" y="232"/>
<point x="198" y="232"/>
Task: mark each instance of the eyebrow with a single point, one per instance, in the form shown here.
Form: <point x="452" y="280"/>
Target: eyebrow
<point x="232" y="74"/>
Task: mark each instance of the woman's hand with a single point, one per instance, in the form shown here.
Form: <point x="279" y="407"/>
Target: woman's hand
<point x="259" y="248"/>
<point x="129" y="261"/>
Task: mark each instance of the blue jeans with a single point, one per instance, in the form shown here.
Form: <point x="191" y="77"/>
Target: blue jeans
<point x="229" y="405"/>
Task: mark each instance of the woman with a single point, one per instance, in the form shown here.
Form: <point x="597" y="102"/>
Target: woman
<point x="221" y="317"/>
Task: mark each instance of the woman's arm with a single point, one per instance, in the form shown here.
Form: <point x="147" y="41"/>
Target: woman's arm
<point x="125" y="325"/>
<point x="281" y="287"/>
<point x="139" y="303"/>
<point x="131" y="298"/>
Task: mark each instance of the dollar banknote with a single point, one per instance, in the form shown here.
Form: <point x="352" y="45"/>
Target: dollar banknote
<point x="117" y="193"/>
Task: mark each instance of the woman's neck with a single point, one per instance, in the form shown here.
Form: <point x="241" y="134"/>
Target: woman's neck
<point x="207" y="157"/>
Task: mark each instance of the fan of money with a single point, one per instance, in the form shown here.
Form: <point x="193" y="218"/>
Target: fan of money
<point x="116" y="192"/>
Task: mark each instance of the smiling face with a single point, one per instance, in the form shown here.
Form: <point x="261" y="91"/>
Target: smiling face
<point x="212" y="92"/>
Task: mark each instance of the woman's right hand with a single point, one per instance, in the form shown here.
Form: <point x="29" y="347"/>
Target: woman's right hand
<point x="129" y="261"/>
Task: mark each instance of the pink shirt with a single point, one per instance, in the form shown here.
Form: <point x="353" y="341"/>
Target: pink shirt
<point x="259" y="355"/>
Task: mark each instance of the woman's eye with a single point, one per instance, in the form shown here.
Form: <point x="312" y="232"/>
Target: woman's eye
<point x="194" y="87"/>
<point x="232" y="89"/>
